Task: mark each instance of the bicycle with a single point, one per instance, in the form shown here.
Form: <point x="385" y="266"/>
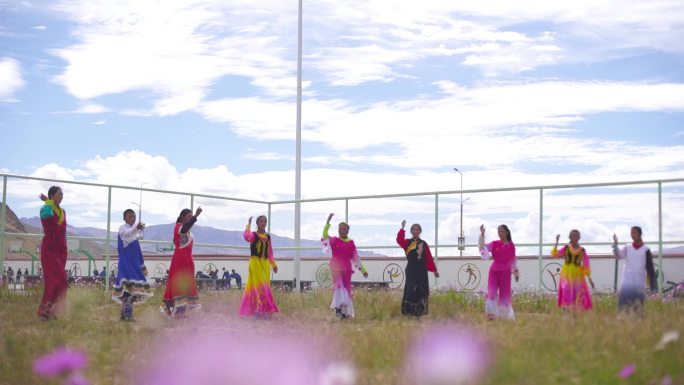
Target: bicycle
<point x="673" y="290"/>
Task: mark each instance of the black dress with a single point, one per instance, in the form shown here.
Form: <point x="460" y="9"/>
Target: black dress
<point x="416" y="288"/>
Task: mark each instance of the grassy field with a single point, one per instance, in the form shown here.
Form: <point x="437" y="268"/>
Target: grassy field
<point x="543" y="346"/>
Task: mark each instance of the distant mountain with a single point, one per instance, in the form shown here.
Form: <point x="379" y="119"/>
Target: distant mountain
<point x="202" y="234"/>
<point x="12" y="223"/>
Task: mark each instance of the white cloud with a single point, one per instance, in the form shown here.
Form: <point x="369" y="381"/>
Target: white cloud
<point x="176" y="52"/>
<point x="100" y="122"/>
<point x="491" y="126"/>
<point x="11" y="79"/>
<point x="39" y="27"/>
<point x="91" y="108"/>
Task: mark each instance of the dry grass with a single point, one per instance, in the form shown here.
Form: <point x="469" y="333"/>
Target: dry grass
<point x="543" y="346"/>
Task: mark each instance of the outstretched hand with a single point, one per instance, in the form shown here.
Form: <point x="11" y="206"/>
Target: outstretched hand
<point x="198" y="211"/>
<point x="275" y="269"/>
<point x="249" y="221"/>
<point x="43" y="197"/>
<point x="403" y="223"/>
<point x="615" y="240"/>
<point x="482" y="229"/>
<point x="557" y="238"/>
<point x="436" y="274"/>
<point x="330" y="217"/>
<point x="365" y="274"/>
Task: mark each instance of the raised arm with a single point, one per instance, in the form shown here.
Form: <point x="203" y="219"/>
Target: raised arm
<point x="327" y="227"/>
<point x="555" y="252"/>
<point x="401" y="236"/>
<point x="248" y="235"/>
<point x="619" y="254"/>
<point x="188" y="225"/>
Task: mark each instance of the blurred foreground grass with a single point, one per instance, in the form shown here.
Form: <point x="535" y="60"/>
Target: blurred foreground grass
<point x="543" y="346"/>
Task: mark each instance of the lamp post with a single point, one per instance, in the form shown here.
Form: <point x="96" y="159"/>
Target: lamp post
<point x="461" y="238"/>
<point x="139" y="204"/>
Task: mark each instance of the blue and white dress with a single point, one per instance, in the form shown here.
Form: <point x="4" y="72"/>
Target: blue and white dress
<point x="132" y="276"/>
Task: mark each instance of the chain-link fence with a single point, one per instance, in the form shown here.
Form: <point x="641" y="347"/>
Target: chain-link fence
<point x="450" y="223"/>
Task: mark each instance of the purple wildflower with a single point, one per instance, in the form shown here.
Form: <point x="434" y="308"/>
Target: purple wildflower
<point x="210" y="354"/>
<point x="667" y="380"/>
<point x="77" y="379"/>
<point x="60" y="361"/>
<point x="627" y="371"/>
<point x="447" y="355"/>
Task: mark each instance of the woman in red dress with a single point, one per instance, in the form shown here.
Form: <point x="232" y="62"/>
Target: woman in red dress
<point x="181" y="290"/>
<point x="53" y="254"/>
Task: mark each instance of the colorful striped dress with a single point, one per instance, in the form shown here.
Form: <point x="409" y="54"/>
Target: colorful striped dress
<point x="573" y="291"/>
<point x="181" y="289"/>
<point x="257" y="299"/>
<point x="344" y="258"/>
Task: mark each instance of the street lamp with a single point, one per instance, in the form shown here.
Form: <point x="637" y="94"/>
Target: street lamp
<point x="461" y="238"/>
<point x="139" y="204"/>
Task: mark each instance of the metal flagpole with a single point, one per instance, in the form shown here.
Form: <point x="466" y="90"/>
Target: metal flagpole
<point x="298" y="165"/>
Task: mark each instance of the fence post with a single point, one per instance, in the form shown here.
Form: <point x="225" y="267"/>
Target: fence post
<point x="269" y="218"/>
<point x="346" y="210"/>
<point x="541" y="238"/>
<point x="661" y="276"/>
<point x="3" y="215"/>
<point x="109" y="237"/>
<point x="437" y="237"/>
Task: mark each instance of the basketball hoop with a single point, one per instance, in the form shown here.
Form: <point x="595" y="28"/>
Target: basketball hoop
<point x="15" y="246"/>
<point x="73" y="244"/>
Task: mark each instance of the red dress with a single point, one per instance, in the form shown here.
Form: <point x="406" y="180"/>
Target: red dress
<point x="53" y="257"/>
<point x="181" y="289"/>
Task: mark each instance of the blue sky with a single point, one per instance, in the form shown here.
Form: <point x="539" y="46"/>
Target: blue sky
<point x="513" y="93"/>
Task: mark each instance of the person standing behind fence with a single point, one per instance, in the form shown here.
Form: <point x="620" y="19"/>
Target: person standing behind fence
<point x="226" y="278"/>
<point x="238" y="279"/>
<point x="53" y="254"/>
<point x="573" y="291"/>
<point x="131" y="281"/>
<point x="638" y="262"/>
<point x="181" y="289"/>
<point x="344" y="258"/>
<point x="416" y="288"/>
<point x="499" y="279"/>
<point x="257" y="299"/>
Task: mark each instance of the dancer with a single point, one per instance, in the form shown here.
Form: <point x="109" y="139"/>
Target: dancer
<point x="416" y="288"/>
<point x="181" y="289"/>
<point x="573" y="291"/>
<point x="53" y="254"/>
<point x="638" y="261"/>
<point x="503" y="254"/>
<point x="131" y="282"/>
<point x="344" y="259"/>
<point x="257" y="299"/>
